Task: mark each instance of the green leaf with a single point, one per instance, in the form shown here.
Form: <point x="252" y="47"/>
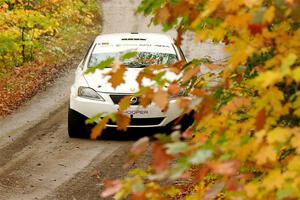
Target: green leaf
<point x="101" y="65"/>
<point x="128" y="55"/>
<point x="284" y="193"/>
<point x="163" y="138"/>
<point x="200" y="156"/>
<point x="180" y="167"/>
<point x="176" y="147"/>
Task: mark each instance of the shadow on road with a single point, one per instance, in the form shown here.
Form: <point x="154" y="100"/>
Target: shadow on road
<point x="137" y="133"/>
<point x="130" y="134"/>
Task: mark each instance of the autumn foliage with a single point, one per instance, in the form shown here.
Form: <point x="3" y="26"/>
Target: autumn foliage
<point x="38" y="40"/>
<point x="245" y="140"/>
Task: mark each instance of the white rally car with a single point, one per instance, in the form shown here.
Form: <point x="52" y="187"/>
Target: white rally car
<point x="92" y="94"/>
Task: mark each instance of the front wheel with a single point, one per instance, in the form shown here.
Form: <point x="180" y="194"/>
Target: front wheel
<point x="76" y="125"/>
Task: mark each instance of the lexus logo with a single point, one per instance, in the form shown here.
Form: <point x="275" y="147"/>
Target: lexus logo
<point x="133" y="100"/>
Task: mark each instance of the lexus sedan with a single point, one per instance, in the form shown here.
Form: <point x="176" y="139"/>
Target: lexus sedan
<point x="92" y="94"/>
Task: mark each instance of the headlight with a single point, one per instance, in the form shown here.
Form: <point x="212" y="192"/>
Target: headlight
<point x="89" y="93"/>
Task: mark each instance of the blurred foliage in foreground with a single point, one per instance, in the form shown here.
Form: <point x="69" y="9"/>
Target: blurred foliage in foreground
<point x="245" y="141"/>
<point x="31" y="29"/>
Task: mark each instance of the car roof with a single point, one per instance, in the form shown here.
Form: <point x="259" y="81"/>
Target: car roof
<point x="123" y="38"/>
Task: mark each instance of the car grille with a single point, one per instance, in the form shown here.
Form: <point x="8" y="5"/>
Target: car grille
<point x="143" y="121"/>
<point x="116" y="98"/>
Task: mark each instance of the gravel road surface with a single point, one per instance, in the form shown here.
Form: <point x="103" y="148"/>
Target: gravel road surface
<point x="37" y="158"/>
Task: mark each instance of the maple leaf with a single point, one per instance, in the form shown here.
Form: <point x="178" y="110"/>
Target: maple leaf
<point x="190" y="73"/>
<point x="123" y="121"/>
<point x="179" y="37"/>
<point x="269" y="14"/>
<point x="124" y="103"/>
<point x="173" y="89"/>
<point x="139" y="146"/>
<point x="111" y="187"/>
<point x="256" y="28"/>
<point x="273" y="180"/>
<point x="146" y="98"/>
<point x="97" y="130"/>
<point x="162" y="15"/>
<point x="198" y="92"/>
<point x="213" y="191"/>
<point x="296" y="142"/>
<point x="138" y="196"/>
<point x="265" y="154"/>
<point x="227" y="168"/>
<point x="260" y="120"/>
<point x="183" y="103"/>
<point x="278" y="135"/>
<point x="161" y="99"/>
<point x="176" y="67"/>
<point x="235" y="104"/>
<point x="160" y="158"/>
<point x="117" y="75"/>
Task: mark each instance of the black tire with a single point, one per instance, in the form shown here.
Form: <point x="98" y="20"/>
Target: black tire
<point x="76" y="125"/>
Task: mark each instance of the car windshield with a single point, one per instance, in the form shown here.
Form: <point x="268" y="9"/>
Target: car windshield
<point x="142" y="59"/>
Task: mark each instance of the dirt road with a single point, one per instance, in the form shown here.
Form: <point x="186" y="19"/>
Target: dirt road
<point x="39" y="161"/>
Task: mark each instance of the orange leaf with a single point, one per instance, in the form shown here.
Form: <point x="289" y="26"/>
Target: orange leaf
<point x="159" y="158"/>
<point x="179" y="37"/>
<point x="138" y="196"/>
<point x="146" y="97"/>
<point x="162" y="15"/>
<point x="198" y="92"/>
<point x="235" y="104"/>
<point x="183" y="102"/>
<point x="214" y="66"/>
<point x="227" y="168"/>
<point x="161" y="99"/>
<point x="260" y="120"/>
<point x="122" y="121"/>
<point x="139" y="146"/>
<point x="124" y="103"/>
<point x="117" y="75"/>
<point x="97" y="130"/>
<point x="190" y="73"/>
<point x="111" y="187"/>
<point x="173" y="89"/>
<point x="176" y="67"/>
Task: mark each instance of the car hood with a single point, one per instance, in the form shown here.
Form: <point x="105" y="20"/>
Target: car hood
<point x="99" y="81"/>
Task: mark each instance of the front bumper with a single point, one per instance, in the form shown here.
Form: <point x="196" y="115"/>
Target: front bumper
<point x="151" y="116"/>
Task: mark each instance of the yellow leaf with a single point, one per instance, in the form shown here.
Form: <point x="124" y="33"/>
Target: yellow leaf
<point x="286" y="63"/>
<point x="278" y="135"/>
<point x="296" y="74"/>
<point x="269" y="14"/>
<point x="265" y="154"/>
<point x="296" y="142"/>
<point x="273" y="180"/>
<point x="251" y="189"/>
<point x="294" y="164"/>
<point x="268" y="78"/>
